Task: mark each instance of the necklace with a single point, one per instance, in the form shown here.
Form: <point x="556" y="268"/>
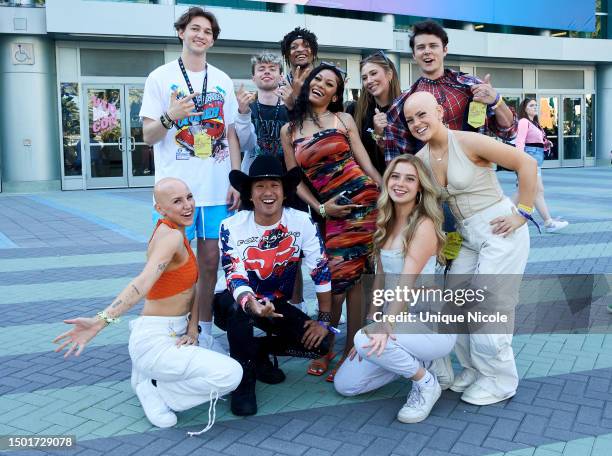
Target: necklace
<point x="316" y="117"/>
<point x="434" y="155"/>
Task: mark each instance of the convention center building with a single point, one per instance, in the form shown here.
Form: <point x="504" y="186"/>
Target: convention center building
<point x="72" y="71"/>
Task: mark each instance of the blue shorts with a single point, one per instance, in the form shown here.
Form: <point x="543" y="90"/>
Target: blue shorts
<point x="206" y="221"/>
<point x="538" y="154"/>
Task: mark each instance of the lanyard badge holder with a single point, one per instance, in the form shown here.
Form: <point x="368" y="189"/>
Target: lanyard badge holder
<point x="202" y="141"/>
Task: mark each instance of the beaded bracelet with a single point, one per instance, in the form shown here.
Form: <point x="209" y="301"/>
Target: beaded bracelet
<point x="322" y="211"/>
<point x="106" y="318"/>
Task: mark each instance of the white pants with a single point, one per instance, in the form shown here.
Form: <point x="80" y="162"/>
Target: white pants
<point x="402" y="358"/>
<point x="186" y="376"/>
<point x="482" y="252"/>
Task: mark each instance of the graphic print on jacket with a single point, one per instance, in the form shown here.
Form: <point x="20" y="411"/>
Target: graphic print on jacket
<point x="265" y="260"/>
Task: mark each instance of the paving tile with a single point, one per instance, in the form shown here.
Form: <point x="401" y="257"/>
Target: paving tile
<point x="565" y="394"/>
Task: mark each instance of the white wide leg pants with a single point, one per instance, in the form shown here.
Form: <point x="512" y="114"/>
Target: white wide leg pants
<point x="503" y="261"/>
<point x="186" y="376"/>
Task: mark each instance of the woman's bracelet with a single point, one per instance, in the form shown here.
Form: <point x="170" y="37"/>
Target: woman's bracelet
<point x="375" y="136"/>
<point x="526" y="212"/>
<point x="107" y="318"/>
<point x="322" y="211"/>
<point x="329" y="327"/>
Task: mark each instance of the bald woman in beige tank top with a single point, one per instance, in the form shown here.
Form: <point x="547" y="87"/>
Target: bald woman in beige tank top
<point x="495" y="237"/>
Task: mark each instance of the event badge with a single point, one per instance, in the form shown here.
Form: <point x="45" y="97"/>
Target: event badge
<point x="202" y="145"/>
<point x="477" y="114"/>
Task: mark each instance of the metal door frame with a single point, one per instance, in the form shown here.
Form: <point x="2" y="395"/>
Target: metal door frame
<point x="133" y="181"/>
<point x="102" y="182"/>
<point x="573" y="162"/>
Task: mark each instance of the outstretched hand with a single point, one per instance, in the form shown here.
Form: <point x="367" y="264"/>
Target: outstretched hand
<point x="83" y="331"/>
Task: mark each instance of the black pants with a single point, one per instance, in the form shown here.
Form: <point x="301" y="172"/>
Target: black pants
<point x="284" y="334"/>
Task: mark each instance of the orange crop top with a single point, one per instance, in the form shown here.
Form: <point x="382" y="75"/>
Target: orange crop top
<point x="172" y="282"/>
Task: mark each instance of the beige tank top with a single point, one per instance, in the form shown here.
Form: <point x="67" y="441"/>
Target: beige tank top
<point x="470" y="188"/>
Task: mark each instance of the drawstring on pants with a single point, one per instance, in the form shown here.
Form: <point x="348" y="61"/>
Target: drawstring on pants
<point x="212" y="414"/>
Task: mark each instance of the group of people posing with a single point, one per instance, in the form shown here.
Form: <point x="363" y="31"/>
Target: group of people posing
<point x="340" y="192"/>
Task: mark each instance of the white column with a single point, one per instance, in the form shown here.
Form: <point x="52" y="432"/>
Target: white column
<point x="29" y="136"/>
<point x="603" y="116"/>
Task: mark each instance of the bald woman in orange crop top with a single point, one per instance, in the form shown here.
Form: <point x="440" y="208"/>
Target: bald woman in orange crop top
<point x="169" y="371"/>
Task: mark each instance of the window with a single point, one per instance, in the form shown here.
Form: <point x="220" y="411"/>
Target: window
<point x="108" y="62"/>
<point x="71" y="128"/>
<point x="560" y="79"/>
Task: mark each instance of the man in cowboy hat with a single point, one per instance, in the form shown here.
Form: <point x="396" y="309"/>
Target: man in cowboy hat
<point x="260" y="252"/>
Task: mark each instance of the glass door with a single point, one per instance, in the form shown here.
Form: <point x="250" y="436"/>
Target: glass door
<point x="549" y="120"/>
<point x="140" y="156"/>
<point x="114" y="152"/>
<point x="572" y="131"/>
<point x="104" y="149"/>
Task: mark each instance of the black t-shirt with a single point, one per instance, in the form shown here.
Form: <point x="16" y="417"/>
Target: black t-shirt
<point x="377" y="154"/>
<point x="268" y="121"/>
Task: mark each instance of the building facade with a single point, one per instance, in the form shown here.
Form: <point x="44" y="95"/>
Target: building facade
<point x="72" y="74"/>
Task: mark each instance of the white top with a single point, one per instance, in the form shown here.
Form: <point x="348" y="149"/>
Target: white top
<point x="207" y="178"/>
<point x="265" y="260"/>
<point x="393" y="262"/>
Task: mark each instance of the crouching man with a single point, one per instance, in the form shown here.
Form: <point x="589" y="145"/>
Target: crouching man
<point x="260" y="252"/>
<point x="170" y="373"/>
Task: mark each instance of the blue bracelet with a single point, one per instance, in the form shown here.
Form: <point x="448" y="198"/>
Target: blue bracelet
<point x="329" y="327"/>
<point x="528" y="216"/>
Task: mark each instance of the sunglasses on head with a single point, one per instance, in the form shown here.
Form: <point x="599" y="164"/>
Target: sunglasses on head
<point x="333" y="65"/>
<point x="380" y="53"/>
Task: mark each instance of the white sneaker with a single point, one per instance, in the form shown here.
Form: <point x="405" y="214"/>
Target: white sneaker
<point x="420" y="402"/>
<point x="555" y="225"/>
<point x="443" y="370"/>
<point x="156" y="410"/>
<point x="464" y="380"/>
<point x="479" y="396"/>
<point x="210" y="343"/>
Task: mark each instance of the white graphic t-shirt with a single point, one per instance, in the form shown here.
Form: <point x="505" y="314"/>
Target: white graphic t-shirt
<point x="175" y="154"/>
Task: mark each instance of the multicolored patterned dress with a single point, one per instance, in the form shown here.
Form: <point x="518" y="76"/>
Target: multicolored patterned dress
<point x="328" y="162"/>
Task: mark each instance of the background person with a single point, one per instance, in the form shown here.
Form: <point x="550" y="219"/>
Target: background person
<point x="531" y="138"/>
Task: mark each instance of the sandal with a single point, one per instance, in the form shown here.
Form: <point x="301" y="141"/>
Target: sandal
<point x="332" y="374"/>
<point x="318" y="367"/>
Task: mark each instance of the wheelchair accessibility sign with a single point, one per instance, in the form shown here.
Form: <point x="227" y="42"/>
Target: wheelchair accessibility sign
<point x="22" y="54"/>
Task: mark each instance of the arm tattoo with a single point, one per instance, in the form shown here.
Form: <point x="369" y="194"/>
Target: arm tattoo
<point x="136" y="289"/>
<point x="116" y="303"/>
<point x="161" y="267"/>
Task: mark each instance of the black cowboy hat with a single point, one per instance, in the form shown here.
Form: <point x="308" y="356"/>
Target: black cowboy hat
<point x="264" y="167"/>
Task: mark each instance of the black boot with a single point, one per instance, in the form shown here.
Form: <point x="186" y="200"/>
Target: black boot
<point x="267" y="371"/>
<point x="244" y="402"/>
